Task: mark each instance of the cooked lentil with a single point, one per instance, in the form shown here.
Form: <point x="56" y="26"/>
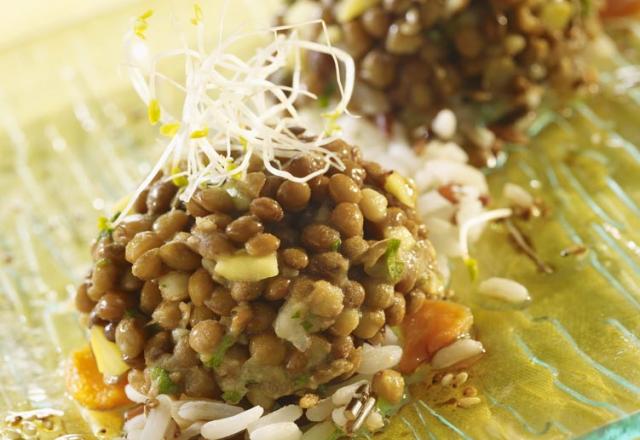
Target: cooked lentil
<point x="214" y="335"/>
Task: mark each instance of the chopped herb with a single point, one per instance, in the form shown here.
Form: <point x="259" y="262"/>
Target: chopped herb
<point x="337" y="434"/>
<point x="216" y="360"/>
<point x="394" y="266"/>
<point x="327" y="93"/>
<point x="472" y="267"/>
<point x="302" y="380"/>
<point x="200" y="133"/>
<point x="296" y="315"/>
<point x="161" y="377"/>
<point x="153" y="112"/>
<point x="131" y="313"/>
<point x="169" y="129"/>
<point x="306" y="325"/>
<point x="232" y="396"/>
<point x="336" y="245"/>
<point x="322" y="389"/>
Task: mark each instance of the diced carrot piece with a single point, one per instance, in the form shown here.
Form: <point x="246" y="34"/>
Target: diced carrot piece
<point x="86" y="383"/>
<point x="620" y="8"/>
<point x="435" y="325"/>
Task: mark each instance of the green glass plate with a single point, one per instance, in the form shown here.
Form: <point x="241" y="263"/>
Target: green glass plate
<point x="563" y="367"/>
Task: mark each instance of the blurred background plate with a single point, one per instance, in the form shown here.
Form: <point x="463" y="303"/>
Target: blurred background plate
<point x="74" y="139"/>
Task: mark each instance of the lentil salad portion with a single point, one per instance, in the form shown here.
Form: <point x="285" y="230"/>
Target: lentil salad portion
<point x="264" y="289"/>
<point x="492" y="62"/>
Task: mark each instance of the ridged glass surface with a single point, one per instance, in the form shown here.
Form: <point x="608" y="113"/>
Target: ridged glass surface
<point x="560" y="368"/>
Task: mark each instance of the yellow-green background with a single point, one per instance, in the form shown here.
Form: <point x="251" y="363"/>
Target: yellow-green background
<point x="73" y="139"/>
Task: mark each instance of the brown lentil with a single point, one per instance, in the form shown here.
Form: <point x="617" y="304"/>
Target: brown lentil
<point x="130" y="226"/>
<point x="267" y="349"/>
<point x="320" y="238"/>
<point x="354" y="294"/>
<point x="150" y="297"/>
<point x="343" y="189"/>
<point x="140" y="244"/>
<point x="371" y="322"/>
<point x="295" y="258"/>
<point x="130" y="338"/>
<point x="326" y="299"/>
<point x="342" y="346"/>
<point x="83" y="303"/>
<point x="166" y="225"/>
<point x="378" y="295"/>
<point x="111" y="306"/>
<point x="160" y="196"/>
<point x="205" y="336"/>
<point x="167" y="315"/>
<point x="103" y="278"/>
<point x="243" y="228"/>
<point x="277" y="288"/>
<point x="262" y="244"/>
<point x="200" y="313"/>
<point x="347" y="218"/>
<point x="263" y="316"/>
<point x="346" y="322"/>
<point x="246" y="290"/>
<point x="293" y="196"/>
<point x="215" y="200"/>
<point x="354" y="247"/>
<point x="394" y="315"/>
<point x="178" y="256"/>
<point x="221" y="301"/>
<point x="389" y="385"/>
<point x="200" y="286"/>
<point x="148" y="266"/>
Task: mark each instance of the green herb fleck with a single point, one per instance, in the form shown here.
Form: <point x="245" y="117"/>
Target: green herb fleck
<point x="336" y="245"/>
<point x="327" y="93"/>
<point x="337" y="434"/>
<point x="395" y="266"/>
<point x="302" y="380"/>
<point x="322" y="389"/>
<point x="472" y="267"/>
<point x="232" y="396"/>
<point x="218" y="355"/>
<point x="296" y="315"/>
<point x="131" y="313"/>
<point x="161" y="377"/>
<point x="306" y="325"/>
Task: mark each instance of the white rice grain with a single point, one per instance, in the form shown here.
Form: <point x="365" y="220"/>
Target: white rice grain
<point x="444" y="124"/>
<point x="517" y="195"/>
<point x="207" y="410"/>
<point x="374" y="421"/>
<point x="338" y="416"/>
<point x="504" y="289"/>
<point x="459" y="351"/>
<point x="320" y="411"/>
<point x="376" y="359"/>
<point x="158" y="420"/>
<point x="343" y="395"/>
<point x="321" y="431"/>
<point x="222" y="428"/>
<point x="191" y="431"/>
<point x="288" y="413"/>
<point x="136" y="422"/>
<point x="134" y="395"/>
<point x="277" y="431"/>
